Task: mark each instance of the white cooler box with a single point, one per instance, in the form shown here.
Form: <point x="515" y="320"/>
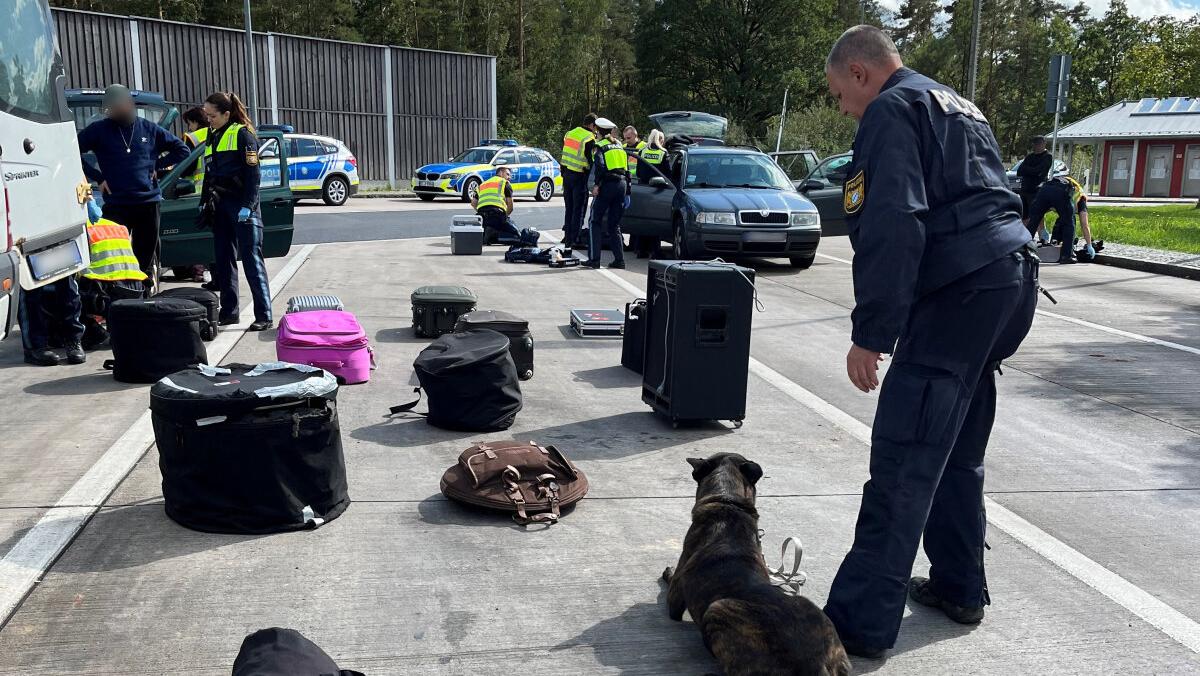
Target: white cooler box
<point x="466" y="236"/>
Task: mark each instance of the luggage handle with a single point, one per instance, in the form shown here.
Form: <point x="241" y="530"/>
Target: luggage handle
<point x="109" y="364"/>
<point x="404" y="408"/>
<point x="327" y="365"/>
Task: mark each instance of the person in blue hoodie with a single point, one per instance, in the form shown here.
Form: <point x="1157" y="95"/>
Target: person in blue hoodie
<point x="128" y="150"/>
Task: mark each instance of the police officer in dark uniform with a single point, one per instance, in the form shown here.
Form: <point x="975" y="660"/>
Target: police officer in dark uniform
<point x="611" y="197"/>
<point x="1057" y="195"/>
<point x="229" y="205"/>
<point x="945" y="282"/>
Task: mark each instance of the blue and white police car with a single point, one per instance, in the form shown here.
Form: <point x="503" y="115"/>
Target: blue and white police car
<point x="318" y="166"/>
<point x="535" y="173"/>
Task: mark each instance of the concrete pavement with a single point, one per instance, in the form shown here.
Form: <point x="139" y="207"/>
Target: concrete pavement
<point x="1096" y="444"/>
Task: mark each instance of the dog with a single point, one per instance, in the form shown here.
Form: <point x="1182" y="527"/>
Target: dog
<point x="749" y="625"/>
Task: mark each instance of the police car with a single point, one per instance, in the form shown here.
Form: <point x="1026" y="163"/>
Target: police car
<point x="534" y="171"/>
<point x="318" y="166"/>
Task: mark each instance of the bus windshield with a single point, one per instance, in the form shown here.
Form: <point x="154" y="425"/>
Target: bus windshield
<point x="30" y="68"/>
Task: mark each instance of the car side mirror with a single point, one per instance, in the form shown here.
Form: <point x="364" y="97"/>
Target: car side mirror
<point x="268" y="154"/>
<point x="811" y="184"/>
<point x="658" y="182"/>
<point x="501" y="163"/>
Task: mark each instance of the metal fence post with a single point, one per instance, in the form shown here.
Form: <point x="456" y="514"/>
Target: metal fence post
<point x="274" y="77"/>
<point x="495" y="127"/>
<point x="135" y="46"/>
<point x="389" y="117"/>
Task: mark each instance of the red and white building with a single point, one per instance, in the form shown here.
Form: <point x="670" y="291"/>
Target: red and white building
<point x="1146" y="148"/>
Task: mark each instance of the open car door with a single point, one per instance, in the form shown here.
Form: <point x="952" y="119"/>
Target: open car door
<point x="185" y="243"/>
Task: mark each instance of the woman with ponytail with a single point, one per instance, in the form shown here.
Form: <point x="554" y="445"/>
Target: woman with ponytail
<point x="229" y="205"/>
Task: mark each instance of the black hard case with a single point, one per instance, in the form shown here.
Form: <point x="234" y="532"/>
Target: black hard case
<point x="520" y="346"/>
<point x="437" y="308"/>
<point x="209" y="326"/>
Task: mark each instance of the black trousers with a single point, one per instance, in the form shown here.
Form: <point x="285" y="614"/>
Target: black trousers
<point x="1056" y="196"/>
<point x="607" y="209"/>
<point x="143" y="223"/>
<point x="932" y="426"/>
<point x="49" y="315"/>
<point x="233" y="239"/>
<point x="575" y="201"/>
<point x="498" y="226"/>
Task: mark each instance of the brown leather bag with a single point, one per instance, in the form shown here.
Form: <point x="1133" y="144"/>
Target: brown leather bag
<point x="515" y="476"/>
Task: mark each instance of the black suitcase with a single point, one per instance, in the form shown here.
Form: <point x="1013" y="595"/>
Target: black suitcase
<point x="250" y="449"/>
<point x="209" y="326"/>
<point x="520" y="341"/>
<point x="154" y="337"/>
<point x="437" y="308"/>
<point x="633" y="344"/>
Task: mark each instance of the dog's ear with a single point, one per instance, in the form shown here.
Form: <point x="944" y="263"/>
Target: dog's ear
<point x="751" y="471"/>
<point x="700" y="468"/>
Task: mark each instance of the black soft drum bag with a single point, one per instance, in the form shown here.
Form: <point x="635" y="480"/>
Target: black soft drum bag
<point x="209" y="326"/>
<point x="153" y="337"/>
<point x="470" y="380"/>
<point x="250" y="449"/>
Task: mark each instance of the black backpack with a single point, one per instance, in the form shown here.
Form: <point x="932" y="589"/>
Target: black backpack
<point x="471" y="382"/>
<point x="284" y="652"/>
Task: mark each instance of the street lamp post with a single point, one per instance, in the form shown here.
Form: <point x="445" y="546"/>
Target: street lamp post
<point x="251" y="67"/>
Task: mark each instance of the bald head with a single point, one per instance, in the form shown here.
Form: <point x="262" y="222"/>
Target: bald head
<point x="858" y="65"/>
<point x="863" y="44"/>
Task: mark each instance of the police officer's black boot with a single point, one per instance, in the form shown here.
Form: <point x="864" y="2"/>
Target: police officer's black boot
<point x="75" y="354"/>
<point x="921" y="590"/>
<point x="42" y="356"/>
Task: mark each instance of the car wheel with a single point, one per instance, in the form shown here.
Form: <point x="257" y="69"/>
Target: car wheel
<point x="679" y="246"/>
<point x="424" y="198"/>
<point x="545" y="190"/>
<point x="803" y="262"/>
<point x="470" y="188"/>
<point x="336" y="191"/>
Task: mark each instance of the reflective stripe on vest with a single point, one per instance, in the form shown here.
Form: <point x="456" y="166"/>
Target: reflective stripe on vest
<point x="653" y="155"/>
<point x="198" y="137"/>
<point x="491" y="194"/>
<point x="229" y="141"/>
<point x="111" y="253"/>
<point x="574" y="142"/>
<point x="634" y="152"/>
<point x="613" y="155"/>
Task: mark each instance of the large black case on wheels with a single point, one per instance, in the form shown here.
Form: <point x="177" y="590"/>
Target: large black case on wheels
<point x="698" y="340"/>
<point x="437" y="308"/>
<point x="633" y="339"/>
<point x="470" y="380"/>
<point x="250" y="449"/>
<point x="153" y="337"/>
<point x="209" y="326"/>
<point x="520" y="341"/>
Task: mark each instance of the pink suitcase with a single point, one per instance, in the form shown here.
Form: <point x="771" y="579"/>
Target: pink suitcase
<point x="329" y="339"/>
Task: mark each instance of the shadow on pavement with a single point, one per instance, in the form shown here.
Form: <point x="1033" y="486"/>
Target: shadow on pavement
<point x="408" y="431"/>
<point x="621" y="435"/>
<point x="437" y="510"/>
<point x="100" y="382"/>
<point x="923" y="628"/>
<point x="399" y="335"/>
<point x="608" y="377"/>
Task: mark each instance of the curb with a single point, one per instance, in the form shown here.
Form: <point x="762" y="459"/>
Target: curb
<point x="1169" y="269"/>
<point x="384" y="195"/>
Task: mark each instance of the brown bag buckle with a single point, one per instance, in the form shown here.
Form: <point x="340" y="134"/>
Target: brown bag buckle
<point x="547" y="487"/>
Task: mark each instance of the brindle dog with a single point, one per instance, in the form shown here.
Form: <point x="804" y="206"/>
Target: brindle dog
<point x="750" y="626"/>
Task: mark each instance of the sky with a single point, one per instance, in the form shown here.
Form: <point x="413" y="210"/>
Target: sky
<point x="1142" y="8"/>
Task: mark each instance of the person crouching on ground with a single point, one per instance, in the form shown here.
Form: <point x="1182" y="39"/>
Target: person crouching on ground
<point x="229" y="205"/>
<point x="493" y="202"/>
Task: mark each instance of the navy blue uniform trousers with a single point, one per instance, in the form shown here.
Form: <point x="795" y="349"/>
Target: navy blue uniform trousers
<point x="50" y="314"/>
<point x="232" y="240"/>
<point x="607" y="209"/>
<point x="931" y="428"/>
<point x="575" y="201"/>
<point x="1056" y="196"/>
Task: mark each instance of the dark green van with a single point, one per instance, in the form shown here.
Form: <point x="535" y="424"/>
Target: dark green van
<point x="184" y="243"/>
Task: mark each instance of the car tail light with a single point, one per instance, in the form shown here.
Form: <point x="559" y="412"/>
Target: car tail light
<point x="353" y="161"/>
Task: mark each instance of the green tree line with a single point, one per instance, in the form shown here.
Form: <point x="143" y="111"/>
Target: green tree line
<point x="559" y="59"/>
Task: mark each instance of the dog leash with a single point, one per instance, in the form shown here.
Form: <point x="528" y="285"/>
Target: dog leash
<point x="788" y="581"/>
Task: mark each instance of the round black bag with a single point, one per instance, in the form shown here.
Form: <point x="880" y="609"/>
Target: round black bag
<point x="250" y="449"/>
<point x="470" y="380"/>
<point x="153" y="337"/>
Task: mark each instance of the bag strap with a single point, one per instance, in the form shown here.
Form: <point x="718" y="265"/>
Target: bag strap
<point x="547" y="489"/>
<point x="404" y="408"/>
<point x="788" y="581"/>
<point x="109" y="364"/>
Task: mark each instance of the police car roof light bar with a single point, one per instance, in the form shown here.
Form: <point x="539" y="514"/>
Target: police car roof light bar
<point x="510" y="142"/>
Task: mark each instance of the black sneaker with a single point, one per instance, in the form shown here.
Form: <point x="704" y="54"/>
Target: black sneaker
<point x="1070" y="260"/>
<point x="863" y="651"/>
<point x="210" y="286"/>
<point x="42" y="357"/>
<point x="261" y="325"/>
<point x="75" y="354"/>
<point x="595" y="265"/>
<point x="921" y="591"/>
<point x="226" y="321"/>
<point x="616" y="265"/>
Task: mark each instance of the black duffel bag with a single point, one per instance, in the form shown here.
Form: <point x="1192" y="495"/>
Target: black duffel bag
<point x="250" y="449"/>
<point x="470" y="380"/>
<point x="284" y="652"/>
<point x="154" y="337"/>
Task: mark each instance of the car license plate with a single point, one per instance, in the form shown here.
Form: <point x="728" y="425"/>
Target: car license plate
<point x="764" y="237"/>
<point x="55" y="260"/>
<point x="425" y="183"/>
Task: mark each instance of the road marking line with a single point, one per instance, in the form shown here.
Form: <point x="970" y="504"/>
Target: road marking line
<point x="1119" y="590"/>
<point x="1091" y="325"/>
<point x="23" y="566"/>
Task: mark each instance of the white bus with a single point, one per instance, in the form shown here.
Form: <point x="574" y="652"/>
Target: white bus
<point x="43" y="183"/>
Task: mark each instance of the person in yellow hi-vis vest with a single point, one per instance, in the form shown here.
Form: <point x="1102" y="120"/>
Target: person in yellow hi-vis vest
<point x="579" y="146"/>
<point x="493" y="202"/>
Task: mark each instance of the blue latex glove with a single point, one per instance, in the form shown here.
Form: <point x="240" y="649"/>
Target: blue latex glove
<point x="627" y="201"/>
<point x="243" y="215"/>
<point x="93" y="211"/>
<point x="1091" y="250"/>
